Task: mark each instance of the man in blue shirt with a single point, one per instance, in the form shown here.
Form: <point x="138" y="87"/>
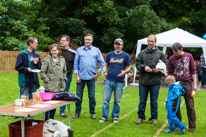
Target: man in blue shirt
<point x="85" y="64"/>
<point x="116" y="62"/>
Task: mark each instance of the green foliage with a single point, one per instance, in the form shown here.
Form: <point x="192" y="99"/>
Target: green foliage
<point x="106" y="19"/>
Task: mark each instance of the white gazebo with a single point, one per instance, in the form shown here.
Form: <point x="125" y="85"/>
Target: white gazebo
<point x="166" y="39"/>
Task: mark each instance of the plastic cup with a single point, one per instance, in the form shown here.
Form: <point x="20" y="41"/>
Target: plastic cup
<point x="35" y="60"/>
<point x="34" y="95"/>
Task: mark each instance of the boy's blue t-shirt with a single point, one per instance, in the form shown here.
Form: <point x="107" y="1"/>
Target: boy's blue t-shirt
<point x="116" y="63"/>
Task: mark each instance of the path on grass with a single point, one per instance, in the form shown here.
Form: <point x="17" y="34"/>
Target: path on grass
<point x="100" y="131"/>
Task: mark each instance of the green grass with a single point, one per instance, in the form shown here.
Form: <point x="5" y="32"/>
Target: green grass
<point x="126" y="127"/>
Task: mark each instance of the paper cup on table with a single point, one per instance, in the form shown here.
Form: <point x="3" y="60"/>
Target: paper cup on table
<point x="23" y="97"/>
<point x="18" y="102"/>
<point x="34" y="95"/>
<point x="35" y="60"/>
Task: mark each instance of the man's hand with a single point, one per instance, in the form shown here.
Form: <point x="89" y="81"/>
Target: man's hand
<point x="102" y="74"/>
<point x="121" y="74"/>
<point x="78" y="79"/>
<point x="29" y="69"/>
<point x="96" y="76"/>
<point x="156" y="70"/>
<point x="148" y="69"/>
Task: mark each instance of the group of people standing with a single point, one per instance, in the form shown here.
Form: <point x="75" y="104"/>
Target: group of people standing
<point x="181" y="65"/>
<point x="58" y="66"/>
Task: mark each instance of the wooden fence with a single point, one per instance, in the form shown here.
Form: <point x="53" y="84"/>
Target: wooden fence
<point x="8" y="60"/>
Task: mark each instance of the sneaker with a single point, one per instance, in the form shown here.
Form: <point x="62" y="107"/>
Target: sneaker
<point x="115" y="120"/>
<point x="191" y="129"/>
<point x="93" y="116"/>
<point x="139" y="121"/>
<point x="76" y="116"/>
<point x="168" y="131"/>
<point x="102" y="120"/>
<point x="183" y="130"/>
<point x="154" y="122"/>
<point x="62" y="115"/>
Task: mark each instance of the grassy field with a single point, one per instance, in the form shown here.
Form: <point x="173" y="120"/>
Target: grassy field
<point x="126" y="127"/>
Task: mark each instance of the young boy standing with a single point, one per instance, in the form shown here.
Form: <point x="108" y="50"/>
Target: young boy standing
<point x="173" y="102"/>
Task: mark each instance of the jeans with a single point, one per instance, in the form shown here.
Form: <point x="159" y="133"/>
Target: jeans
<point x="109" y="87"/>
<point x="143" y="93"/>
<point x="203" y="76"/>
<point x="91" y="95"/>
<point x="26" y="90"/>
<point x="68" y="82"/>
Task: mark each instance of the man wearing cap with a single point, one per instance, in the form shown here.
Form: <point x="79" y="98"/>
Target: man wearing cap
<point x="85" y="64"/>
<point x="116" y="62"/>
<point x="150" y="78"/>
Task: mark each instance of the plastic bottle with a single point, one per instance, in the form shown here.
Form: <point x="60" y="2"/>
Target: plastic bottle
<point x="42" y="89"/>
<point x="38" y="96"/>
<point x="193" y="94"/>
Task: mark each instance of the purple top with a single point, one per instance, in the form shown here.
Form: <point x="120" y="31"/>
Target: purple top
<point x="181" y="67"/>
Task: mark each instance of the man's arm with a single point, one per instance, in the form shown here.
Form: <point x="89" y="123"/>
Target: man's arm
<point x="124" y="71"/>
<point x="194" y="77"/>
<point x="104" y="70"/>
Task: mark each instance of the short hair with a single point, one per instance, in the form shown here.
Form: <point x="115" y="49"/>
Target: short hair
<point x="169" y="78"/>
<point x="31" y="40"/>
<point x="67" y="37"/>
<point x="53" y="46"/>
<point x="153" y="36"/>
<point x="176" y="46"/>
<point x="89" y="34"/>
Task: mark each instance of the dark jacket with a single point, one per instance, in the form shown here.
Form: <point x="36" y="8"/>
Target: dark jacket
<point x="22" y="63"/>
<point x="148" y="57"/>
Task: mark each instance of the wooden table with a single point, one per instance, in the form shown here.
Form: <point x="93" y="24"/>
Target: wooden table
<point x="12" y="110"/>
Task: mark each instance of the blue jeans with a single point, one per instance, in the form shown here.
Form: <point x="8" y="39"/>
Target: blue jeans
<point x="91" y="94"/>
<point x="28" y="90"/>
<point x="68" y="82"/>
<point x="109" y="87"/>
<point x="143" y="93"/>
<point x="203" y="76"/>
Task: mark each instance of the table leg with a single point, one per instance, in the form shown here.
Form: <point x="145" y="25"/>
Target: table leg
<point x="69" y="116"/>
<point x="44" y="116"/>
<point x="22" y="127"/>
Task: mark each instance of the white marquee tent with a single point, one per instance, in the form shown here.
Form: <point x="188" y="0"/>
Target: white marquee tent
<point x="166" y="39"/>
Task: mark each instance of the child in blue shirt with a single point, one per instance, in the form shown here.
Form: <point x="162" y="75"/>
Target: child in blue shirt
<point x="173" y="101"/>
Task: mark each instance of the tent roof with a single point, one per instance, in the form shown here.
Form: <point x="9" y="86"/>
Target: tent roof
<point x="176" y="35"/>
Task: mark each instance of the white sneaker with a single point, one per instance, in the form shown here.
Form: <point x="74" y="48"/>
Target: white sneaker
<point x="115" y="120"/>
<point x="102" y="120"/>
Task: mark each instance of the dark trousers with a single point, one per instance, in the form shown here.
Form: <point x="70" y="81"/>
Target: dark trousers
<point x="189" y="105"/>
<point x="50" y="114"/>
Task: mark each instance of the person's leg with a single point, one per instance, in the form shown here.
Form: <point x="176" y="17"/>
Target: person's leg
<point x="154" y="93"/>
<point x="203" y="76"/>
<point x="176" y="121"/>
<point x="24" y="91"/>
<point x="171" y="126"/>
<point x="52" y="113"/>
<point x="106" y="98"/>
<point x="91" y="95"/>
<point x="118" y="90"/>
<point x="47" y="114"/>
<point x="189" y="104"/>
<point x="68" y="82"/>
<point x="143" y="93"/>
<point x="32" y="89"/>
<point x="80" y="89"/>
